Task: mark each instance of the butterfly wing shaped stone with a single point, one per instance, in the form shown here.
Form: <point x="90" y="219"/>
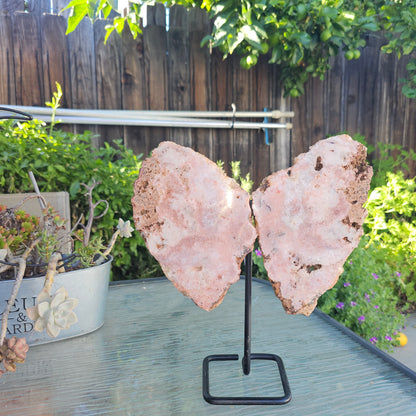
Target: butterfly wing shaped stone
<point x="195" y="220"/>
<point x="309" y="219"/>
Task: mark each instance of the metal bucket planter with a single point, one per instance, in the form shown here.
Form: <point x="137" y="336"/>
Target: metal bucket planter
<point x="89" y="286"/>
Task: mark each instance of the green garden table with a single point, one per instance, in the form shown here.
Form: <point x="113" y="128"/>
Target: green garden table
<point x="147" y="360"/>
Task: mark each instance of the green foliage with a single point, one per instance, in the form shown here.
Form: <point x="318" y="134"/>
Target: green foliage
<point x="391" y="158"/>
<point x="297" y="35"/>
<point x="61" y="161"/>
<point x="364" y="298"/>
<point x="391" y="223"/>
<point x="398" y="19"/>
<point x="17" y="231"/>
<point x="245" y="181"/>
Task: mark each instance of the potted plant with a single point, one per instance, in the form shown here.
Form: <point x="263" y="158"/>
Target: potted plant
<point x="45" y="288"/>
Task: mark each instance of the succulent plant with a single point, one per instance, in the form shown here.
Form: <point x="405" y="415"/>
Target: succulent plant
<point x="33" y="246"/>
<point x="12" y="351"/>
<point x="53" y="313"/>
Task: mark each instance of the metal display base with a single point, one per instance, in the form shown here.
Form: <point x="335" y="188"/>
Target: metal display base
<point x="246" y="361"/>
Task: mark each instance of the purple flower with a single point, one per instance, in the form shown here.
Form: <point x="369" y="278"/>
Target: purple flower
<point x="347" y="284"/>
<point x="375" y="276"/>
<point x="340" y="305"/>
<point x="373" y="340"/>
<point x="398" y="274"/>
<point x="367" y="297"/>
<point x="352" y="303"/>
<point x="258" y="253"/>
<point x="361" y="318"/>
<point x="388" y="338"/>
<point x="376" y="307"/>
<point x="350" y="262"/>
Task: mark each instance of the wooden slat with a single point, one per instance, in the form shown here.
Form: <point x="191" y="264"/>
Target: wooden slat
<point x="317" y="111"/>
<point x="108" y="69"/>
<point x="179" y="91"/>
<point x="261" y="98"/>
<point x="55" y="58"/>
<point x="156" y="15"/>
<point x="385" y="87"/>
<point x="7" y="77"/>
<point x="200" y="78"/>
<point x="28" y="60"/>
<point x="301" y="128"/>
<point x="58" y="5"/>
<point x="370" y="92"/>
<point x="82" y="70"/>
<point x="156" y="78"/>
<point x="221" y="101"/>
<point x="134" y="89"/>
<point x="409" y="132"/>
<point x="11" y="6"/>
<point x="242" y="97"/>
<point x="281" y="147"/>
<point x="39" y="7"/>
<point x="333" y="106"/>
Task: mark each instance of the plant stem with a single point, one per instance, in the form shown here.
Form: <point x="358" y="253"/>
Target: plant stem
<point x="108" y="249"/>
<point x="21" y="271"/>
<point x="50" y="273"/>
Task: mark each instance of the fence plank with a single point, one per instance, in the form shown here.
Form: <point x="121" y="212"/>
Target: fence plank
<point x="301" y="127"/>
<point x="221" y="101"/>
<point x="261" y="98"/>
<point x="242" y="97"/>
<point x="108" y="70"/>
<point x="58" y="5"/>
<point x="7" y="77"/>
<point x="28" y="60"/>
<point x="39" y="6"/>
<point x="82" y="70"/>
<point x="55" y="57"/>
<point x="333" y="106"/>
<point x="281" y="147"/>
<point x="11" y="6"/>
<point x="156" y="76"/>
<point x="134" y="89"/>
<point x="386" y="84"/>
<point x="179" y="91"/>
<point x="200" y="77"/>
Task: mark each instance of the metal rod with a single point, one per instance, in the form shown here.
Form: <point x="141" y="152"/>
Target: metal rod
<point x="246" y="361"/>
<point x="16" y="114"/>
<point x="172" y="122"/>
<point x="123" y="114"/>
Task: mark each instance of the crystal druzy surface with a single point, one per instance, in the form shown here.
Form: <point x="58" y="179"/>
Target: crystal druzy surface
<point x="309" y="219"/>
<point x="195" y="220"/>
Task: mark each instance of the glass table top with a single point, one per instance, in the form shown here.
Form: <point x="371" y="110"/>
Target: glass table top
<point x="147" y="360"/>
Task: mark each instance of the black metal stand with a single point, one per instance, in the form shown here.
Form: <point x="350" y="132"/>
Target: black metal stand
<point x="246" y="361"/>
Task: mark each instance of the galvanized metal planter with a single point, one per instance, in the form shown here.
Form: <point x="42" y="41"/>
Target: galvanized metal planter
<point x="89" y="286"/>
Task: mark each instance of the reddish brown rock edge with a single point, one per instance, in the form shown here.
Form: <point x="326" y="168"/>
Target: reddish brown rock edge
<point x="195" y="220"/>
<point x="309" y="219"/>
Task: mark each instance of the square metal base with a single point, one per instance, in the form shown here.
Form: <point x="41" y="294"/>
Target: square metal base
<point x="245" y="400"/>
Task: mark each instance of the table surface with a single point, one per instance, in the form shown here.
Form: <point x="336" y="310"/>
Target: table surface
<point x="147" y="360"/>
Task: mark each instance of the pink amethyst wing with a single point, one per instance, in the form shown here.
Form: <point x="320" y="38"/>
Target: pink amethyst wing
<point x="309" y="219"/>
<point x="195" y="220"/>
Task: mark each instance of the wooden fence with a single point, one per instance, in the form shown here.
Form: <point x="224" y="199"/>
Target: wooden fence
<point x="168" y="70"/>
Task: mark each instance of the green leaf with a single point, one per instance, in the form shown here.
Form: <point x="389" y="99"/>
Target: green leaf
<point x="80" y="11"/>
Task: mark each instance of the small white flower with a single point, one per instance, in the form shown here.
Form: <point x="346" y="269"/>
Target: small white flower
<point x="53" y="313"/>
<point x="124" y="228"/>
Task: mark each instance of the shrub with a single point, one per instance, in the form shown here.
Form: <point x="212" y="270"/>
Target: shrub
<point x="391" y="223"/>
<point x="61" y="161"/>
<point x="364" y="298"/>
